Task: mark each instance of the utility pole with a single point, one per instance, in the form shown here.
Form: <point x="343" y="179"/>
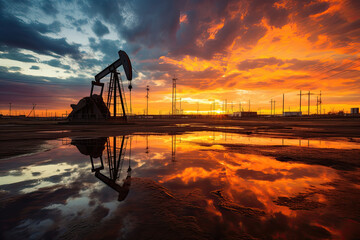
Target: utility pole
<point x="300" y="100"/>
<point x="147" y="99"/>
<point x="173" y="101"/>
<point x="317" y="105"/>
<point x="283" y="104"/>
<point x="320" y="102"/>
<point x="225" y="106"/>
<point x="271" y="107"/>
<point x="309" y="102"/>
<point x="180" y="107"/>
<point x="10" y="109"/>
<point x="274" y="108"/>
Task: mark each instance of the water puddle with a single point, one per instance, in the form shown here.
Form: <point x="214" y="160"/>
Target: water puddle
<point x="137" y="186"/>
<point x="234" y="138"/>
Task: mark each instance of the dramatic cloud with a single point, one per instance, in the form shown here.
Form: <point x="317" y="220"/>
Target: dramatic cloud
<point x="34" y="67"/>
<point x="15" y="54"/>
<point x="54" y="27"/>
<point x="262" y="47"/>
<point x="57" y="63"/>
<point x="18" y="34"/>
<point x="259" y="63"/>
<point x="100" y="29"/>
<point x="49" y="7"/>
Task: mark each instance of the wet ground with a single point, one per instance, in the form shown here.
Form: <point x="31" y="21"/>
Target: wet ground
<point x="187" y="180"/>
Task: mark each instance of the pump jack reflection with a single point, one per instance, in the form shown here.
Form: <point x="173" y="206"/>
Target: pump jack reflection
<point x="115" y="155"/>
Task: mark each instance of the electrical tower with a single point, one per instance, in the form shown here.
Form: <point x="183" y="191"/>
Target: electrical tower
<point x="173" y="100"/>
<point x="147" y="99"/>
<point x="318" y="102"/>
<point x="33" y="111"/>
<point x="309" y="101"/>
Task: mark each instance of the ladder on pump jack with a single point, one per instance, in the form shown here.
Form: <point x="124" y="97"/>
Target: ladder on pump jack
<point x="116" y="156"/>
<point x="121" y="97"/>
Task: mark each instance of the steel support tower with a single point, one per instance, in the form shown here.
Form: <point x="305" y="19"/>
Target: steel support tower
<point x="173" y="100"/>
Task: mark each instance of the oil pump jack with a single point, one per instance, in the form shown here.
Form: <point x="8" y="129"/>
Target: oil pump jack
<point x="93" y="107"/>
<point x="114" y="176"/>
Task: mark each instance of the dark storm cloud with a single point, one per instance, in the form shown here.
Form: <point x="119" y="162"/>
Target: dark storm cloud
<point x="24" y="89"/>
<point x="21" y="7"/>
<point x="148" y="27"/>
<point x="57" y="63"/>
<point x="206" y="74"/>
<point x="136" y="24"/>
<point x="77" y="23"/>
<point x="33" y="67"/>
<point x="49" y="7"/>
<point x="313" y="8"/>
<point x="54" y="27"/>
<point x="258" y="63"/>
<point x="15" y="33"/>
<point x="296" y="64"/>
<point x="200" y="17"/>
<point x="24" y="94"/>
<point x="108" y="47"/>
<point x="14" y="68"/>
<point x="243" y="25"/>
<point x="334" y="24"/>
<point x="242" y="22"/>
<point x="57" y="178"/>
<point x="100" y="29"/>
<point x="15" y="54"/>
<point x="292" y="64"/>
<point x="259" y="9"/>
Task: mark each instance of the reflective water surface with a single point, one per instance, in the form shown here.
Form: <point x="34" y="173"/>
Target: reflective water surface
<point x="168" y="187"/>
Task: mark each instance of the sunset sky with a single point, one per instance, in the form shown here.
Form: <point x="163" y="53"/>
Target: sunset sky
<point x="243" y="50"/>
